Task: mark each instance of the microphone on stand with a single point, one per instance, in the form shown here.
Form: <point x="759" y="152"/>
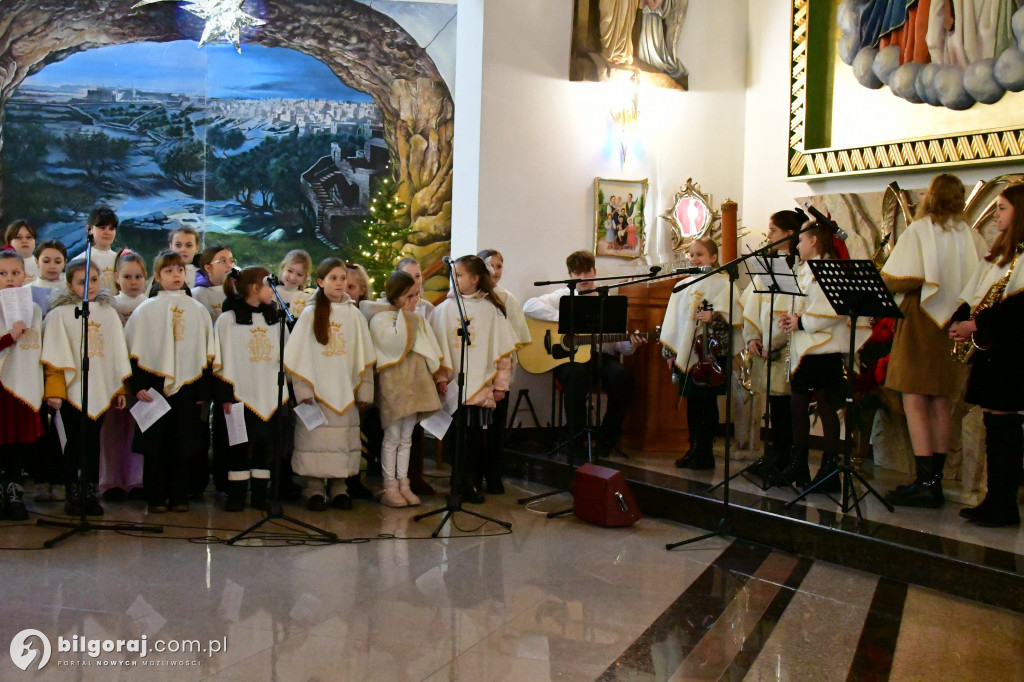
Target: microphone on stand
<point x="655" y="269"/>
<point x="826" y="222"/>
<point x="698" y="270"/>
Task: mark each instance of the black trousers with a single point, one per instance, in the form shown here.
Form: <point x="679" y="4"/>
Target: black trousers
<point x="166" y="447"/>
<point x="614" y="378"/>
<point x="263" y="440"/>
<point x="79" y="439"/>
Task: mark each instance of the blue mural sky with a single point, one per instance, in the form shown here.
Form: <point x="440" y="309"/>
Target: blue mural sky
<point x="215" y="70"/>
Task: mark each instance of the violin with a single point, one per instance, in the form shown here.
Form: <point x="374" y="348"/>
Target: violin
<point x="707" y="372"/>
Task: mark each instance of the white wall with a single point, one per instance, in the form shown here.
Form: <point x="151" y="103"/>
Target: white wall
<point x="543" y="139"/>
<point x="765" y="188"/>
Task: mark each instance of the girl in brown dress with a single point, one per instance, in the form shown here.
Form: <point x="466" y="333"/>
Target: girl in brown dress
<point x="929" y="266"/>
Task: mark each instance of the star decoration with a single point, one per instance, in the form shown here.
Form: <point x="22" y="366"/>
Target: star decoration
<point x="224" y="19"/>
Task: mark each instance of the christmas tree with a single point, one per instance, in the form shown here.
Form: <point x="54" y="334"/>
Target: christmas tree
<point x="377" y="245"/>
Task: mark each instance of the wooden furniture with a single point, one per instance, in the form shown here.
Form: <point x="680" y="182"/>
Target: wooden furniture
<point x="656" y="421"/>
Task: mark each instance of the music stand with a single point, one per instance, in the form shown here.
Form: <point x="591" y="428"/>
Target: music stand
<point x="584" y="320"/>
<point x="853" y="288"/>
<point x="769" y="275"/>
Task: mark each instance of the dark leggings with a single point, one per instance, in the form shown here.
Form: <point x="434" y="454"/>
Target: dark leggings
<point x="827" y="412"/>
<point x="702" y="414"/>
<point x="781" y="422"/>
<point x="89" y="440"/>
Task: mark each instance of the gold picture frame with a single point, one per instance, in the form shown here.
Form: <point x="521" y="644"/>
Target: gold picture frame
<point x="620" y="227"/>
<point x="811" y="80"/>
<point x="691" y="216"/>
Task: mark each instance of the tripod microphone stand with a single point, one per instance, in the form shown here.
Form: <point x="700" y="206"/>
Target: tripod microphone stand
<point x="766" y="468"/>
<point x="83" y="525"/>
<point x="275" y="511"/>
<point x="454" y="500"/>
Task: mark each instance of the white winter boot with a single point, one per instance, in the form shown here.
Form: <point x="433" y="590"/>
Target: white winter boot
<point x="391" y="497"/>
<point x="407" y="493"/>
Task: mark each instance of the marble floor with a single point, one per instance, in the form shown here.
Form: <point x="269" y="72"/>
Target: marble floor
<point x="551" y="600"/>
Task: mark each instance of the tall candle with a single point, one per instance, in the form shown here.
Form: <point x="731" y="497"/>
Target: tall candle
<point x="729" y="230"/>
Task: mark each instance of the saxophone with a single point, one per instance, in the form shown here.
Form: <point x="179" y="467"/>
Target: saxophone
<point x="964" y="350"/>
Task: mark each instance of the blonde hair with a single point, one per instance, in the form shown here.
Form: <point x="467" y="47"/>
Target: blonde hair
<point x="296" y="256"/>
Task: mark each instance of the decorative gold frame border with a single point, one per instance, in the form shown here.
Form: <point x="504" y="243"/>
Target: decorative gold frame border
<point x="691" y="190"/>
<point x="973" y="148"/>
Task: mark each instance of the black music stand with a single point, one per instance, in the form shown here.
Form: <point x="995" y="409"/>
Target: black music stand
<point x="776" y="277"/>
<point x="853" y="288"/>
<point x="591" y="317"/>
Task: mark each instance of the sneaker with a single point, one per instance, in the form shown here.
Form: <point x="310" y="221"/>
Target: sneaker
<point x="15" y="505"/>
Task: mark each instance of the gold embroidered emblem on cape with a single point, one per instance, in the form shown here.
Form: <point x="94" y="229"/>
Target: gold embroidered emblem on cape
<point x="171" y="336"/>
<point x="62" y="350"/>
<point x="335" y="370"/>
<point x="491" y="338"/>
<point x="247" y="358"/>
<point x="20" y="371"/>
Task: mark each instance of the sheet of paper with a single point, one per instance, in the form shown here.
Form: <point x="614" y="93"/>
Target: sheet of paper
<point x="147" y="414"/>
<point x="437" y="423"/>
<point x="62" y="435"/>
<point x="236" y="425"/>
<point x="17" y="305"/>
<point x="451" y="398"/>
<point x="310" y="415"/>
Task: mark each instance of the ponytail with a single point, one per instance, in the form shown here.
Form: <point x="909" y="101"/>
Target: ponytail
<point x="475" y="265"/>
<point x="321" y="305"/>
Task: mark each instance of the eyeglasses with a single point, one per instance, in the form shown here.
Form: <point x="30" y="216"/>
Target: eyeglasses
<point x="226" y="261"/>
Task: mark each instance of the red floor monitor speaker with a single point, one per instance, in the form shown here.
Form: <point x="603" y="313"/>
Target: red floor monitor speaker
<point x="601" y="496"/>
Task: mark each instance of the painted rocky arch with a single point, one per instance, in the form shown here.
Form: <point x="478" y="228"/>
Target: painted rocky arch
<point x="367" y="50"/>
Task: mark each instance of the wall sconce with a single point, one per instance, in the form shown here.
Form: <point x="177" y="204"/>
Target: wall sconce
<point x="625" y="112"/>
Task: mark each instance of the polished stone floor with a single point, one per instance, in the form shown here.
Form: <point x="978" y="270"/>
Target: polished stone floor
<point x="552" y="600"/>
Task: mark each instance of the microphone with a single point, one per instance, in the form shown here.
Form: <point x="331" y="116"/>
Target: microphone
<point x="447" y="260"/>
<point x="826" y="222"/>
<point x="234" y="273"/>
<point x="272" y="280"/>
<point x="698" y="270"/>
<point x="655" y="269"/>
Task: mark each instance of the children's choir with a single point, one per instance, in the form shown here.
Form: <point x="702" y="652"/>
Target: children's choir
<point x="208" y="333"/>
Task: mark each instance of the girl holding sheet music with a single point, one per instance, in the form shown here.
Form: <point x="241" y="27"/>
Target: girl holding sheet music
<point x="170" y="339"/>
<point x="245" y="371"/>
<point x="62" y="364"/>
<point x="329" y="356"/>
<point x="21" y="389"/>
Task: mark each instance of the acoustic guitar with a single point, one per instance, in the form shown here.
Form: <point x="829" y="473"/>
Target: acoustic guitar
<point x="550" y="349"/>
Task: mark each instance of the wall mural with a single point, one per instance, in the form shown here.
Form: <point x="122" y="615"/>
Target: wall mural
<point x="954" y="71"/>
<point x="284" y="145"/>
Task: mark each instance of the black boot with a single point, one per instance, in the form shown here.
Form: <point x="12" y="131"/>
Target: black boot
<point x="796" y="471"/>
<point x="829" y="463"/>
<point x="701" y="458"/>
<point x="687" y="459"/>
<point x="1004" y="442"/>
<point x="73" y="500"/>
<point x="236" y="494"/>
<point x="260" y="488"/>
<point x="417" y="483"/>
<point x="356" y="489"/>
<point x="925" y="491"/>
<point x="91" y="500"/>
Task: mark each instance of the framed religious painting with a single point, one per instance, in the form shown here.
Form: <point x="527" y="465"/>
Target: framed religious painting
<point x="889" y="85"/>
<point x="619" y="223"/>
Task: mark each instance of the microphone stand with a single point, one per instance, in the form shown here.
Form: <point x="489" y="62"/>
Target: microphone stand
<point x="454" y="499"/>
<point x="732" y="269"/>
<point x="275" y="511"/>
<point x="83" y="525"/>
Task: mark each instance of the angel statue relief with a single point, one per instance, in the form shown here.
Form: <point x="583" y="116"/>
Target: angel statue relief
<point x="661" y="22"/>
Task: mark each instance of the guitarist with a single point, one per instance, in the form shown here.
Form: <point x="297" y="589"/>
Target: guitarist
<point x="575" y="378"/>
